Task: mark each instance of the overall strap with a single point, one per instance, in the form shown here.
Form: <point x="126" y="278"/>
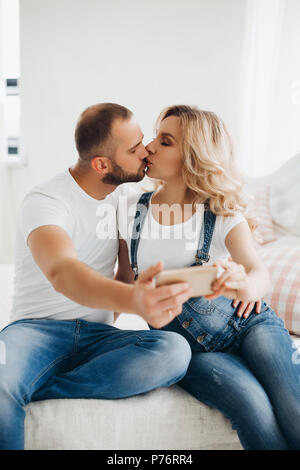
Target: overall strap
<point x="206" y="235"/>
<point x="139" y="219"/>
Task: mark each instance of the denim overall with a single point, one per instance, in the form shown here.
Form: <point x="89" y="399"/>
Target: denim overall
<point x="208" y="325"/>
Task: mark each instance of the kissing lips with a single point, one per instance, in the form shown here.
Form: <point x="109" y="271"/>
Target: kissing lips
<point x="147" y="164"/>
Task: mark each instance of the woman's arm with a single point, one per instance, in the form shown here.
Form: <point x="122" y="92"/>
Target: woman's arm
<point x="245" y="277"/>
<point x="124" y="273"/>
<point x="239" y="243"/>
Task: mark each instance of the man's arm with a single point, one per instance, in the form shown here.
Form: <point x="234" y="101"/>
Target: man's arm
<point x="55" y="254"/>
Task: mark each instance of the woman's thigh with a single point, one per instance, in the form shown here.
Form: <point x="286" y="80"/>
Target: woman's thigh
<point x="224" y="381"/>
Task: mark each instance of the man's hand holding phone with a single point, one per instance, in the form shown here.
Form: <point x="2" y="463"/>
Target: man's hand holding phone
<point x="159" y="305"/>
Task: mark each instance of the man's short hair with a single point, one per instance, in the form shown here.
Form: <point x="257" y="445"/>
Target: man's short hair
<point x="93" y="131"/>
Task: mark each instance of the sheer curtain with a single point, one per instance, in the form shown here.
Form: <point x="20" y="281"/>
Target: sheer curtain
<point x="285" y="115"/>
<point x="263" y="35"/>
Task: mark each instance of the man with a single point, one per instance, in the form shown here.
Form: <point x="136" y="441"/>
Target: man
<point x="61" y="342"/>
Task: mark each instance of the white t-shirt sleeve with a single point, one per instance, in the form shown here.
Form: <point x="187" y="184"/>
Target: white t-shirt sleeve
<point x="38" y="209"/>
<point x="225" y="225"/>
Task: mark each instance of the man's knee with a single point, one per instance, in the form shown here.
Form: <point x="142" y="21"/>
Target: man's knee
<point x="174" y="351"/>
<point x="160" y="359"/>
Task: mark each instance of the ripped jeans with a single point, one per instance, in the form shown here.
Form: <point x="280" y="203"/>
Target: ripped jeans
<point x="249" y="369"/>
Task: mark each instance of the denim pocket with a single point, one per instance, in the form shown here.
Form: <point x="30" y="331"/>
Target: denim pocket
<point x="264" y="306"/>
<point x="200" y="305"/>
<point x="224" y="305"/>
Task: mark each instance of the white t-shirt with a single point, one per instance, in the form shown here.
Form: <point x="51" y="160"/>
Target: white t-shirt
<point x="175" y="244"/>
<point x="90" y="223"/>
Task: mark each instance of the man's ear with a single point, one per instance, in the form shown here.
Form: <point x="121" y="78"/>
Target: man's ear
<point x="100" y="165"/>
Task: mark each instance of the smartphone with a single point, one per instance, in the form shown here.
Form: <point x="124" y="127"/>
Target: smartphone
<point x="199" y="278"/>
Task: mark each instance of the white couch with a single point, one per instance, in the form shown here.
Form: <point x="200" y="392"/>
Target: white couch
<point x="167" y="418"/>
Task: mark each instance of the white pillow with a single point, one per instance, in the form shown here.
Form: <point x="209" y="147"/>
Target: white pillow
<point x="285" y="196"/>
<point x="259" y="208"/>
<point x="282" y="258"/>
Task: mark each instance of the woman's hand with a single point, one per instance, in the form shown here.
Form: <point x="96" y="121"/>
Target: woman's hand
<point x="234" y="284"/>
<point x="246" y="308"/>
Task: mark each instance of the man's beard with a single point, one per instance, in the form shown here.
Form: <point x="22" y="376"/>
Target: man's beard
<point x="119" y="176"/>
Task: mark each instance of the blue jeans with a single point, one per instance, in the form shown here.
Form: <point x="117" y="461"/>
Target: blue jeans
<point x="252" y="376"/>
<point x="46" y="359"/>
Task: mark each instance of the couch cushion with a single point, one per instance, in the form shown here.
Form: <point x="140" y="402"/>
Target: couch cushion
<point x="284" y="184"/>
<point x="282" y="258"/>
<point x="285" y="195"/>
<point x="166" y="418"/>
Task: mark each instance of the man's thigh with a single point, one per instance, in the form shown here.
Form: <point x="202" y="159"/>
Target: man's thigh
<point x="119" y="363"/>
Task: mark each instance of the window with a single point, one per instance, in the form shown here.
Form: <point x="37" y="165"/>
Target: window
<point x="10" y="80"/>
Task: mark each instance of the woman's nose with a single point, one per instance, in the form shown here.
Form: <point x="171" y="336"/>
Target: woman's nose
<point x="150" y="148"/>
<point x="144" y="153"/>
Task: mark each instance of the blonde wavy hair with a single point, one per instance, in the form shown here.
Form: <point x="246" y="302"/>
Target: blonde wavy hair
<point x="210" y="169"/>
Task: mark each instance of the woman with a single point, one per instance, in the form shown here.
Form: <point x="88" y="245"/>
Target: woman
<point x="243" y="365"/>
